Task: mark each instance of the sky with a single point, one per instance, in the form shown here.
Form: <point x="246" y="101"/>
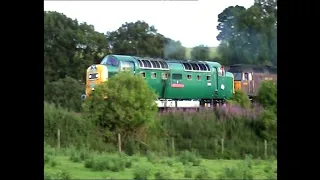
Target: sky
<point x="191" y="22"/>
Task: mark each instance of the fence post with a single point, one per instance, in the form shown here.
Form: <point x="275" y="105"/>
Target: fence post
<point x="58" y="134"/>
<point x="172" y="140"/>
<point x="190" y="147"/>
<point x="265" y="148"/>
<point x="222" y="145"/>
<point x="119" y="142"/>
<point x="258" y="150"/>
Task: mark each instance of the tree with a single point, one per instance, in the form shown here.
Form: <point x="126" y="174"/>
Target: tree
<point x="65" y="92"/>
<point x="248" y="35"/>
<point x="136" y="39"/>
<point x="200" y="52"/>
<point x="70" y="47"/>
<point x="130" y="105"/>
<point x="174" y="49"/>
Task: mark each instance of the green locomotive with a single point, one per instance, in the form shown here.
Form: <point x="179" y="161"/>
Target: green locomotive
<point x="178" y="83"/>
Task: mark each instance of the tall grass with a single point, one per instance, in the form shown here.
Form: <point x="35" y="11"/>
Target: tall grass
<point x="200" y="132"/>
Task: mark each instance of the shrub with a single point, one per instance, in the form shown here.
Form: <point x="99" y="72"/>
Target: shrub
<point x="241" y="98"/>
<point x="203" y="173"/>
<point x="141" y="173"/>
<point x="63" y="175"/>
<point x="74" y="129"/>
<point x="188" y="172"/>
<point x="191" y="157"/>
<point x="129" y="105"/>
<point x="163" y="174"/>
<point x="267" y="95"/>
<point x="115" y="164"/>
<point x="65" y="93"/>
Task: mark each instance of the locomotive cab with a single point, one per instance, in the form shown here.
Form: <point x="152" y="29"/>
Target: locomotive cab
<point x="96" y="74"/>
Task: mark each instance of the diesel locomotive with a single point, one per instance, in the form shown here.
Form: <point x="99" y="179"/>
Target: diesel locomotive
<point x="178" y="83"/>
<point x="248" y="78"/>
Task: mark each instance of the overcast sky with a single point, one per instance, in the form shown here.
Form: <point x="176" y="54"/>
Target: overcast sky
<point x="190" y="22"/>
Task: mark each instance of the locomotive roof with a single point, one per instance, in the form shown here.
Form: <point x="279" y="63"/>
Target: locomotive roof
<point x="253" y="68"/>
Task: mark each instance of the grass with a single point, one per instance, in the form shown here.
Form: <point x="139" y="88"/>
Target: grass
<point x="213" y="52"/>
<point x="66" y="166"/>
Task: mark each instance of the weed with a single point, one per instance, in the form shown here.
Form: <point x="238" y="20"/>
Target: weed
<point x="141" y="173"/>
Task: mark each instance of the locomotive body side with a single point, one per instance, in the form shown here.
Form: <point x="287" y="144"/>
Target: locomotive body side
<point x="185" y="84"/>
<point x="248" y="78"/>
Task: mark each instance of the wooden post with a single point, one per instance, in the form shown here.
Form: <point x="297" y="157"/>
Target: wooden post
<point x="222" y="145"/>
<point x="172" y="140"/>
<point x="58" y="133"/>
<point x="265" y="148"/>
<point x="190" y="147"/>
<point x="119" y="142"/>
<point x="258" y="152"/>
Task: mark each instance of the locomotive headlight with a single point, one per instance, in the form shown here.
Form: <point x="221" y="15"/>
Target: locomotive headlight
<point x="89" y="76"/>
<point x="93" y="89"/>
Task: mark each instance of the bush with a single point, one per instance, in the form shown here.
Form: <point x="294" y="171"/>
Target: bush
<point x="191" y="157"/>
<point x="163" y="174"/>
<point x="241" y="98"/>
<point x="203" y="173"/>
<point x="267" y="95"/>
<point x="74" y="129"/>
<point x="141" y="173"/>
<point x="242" y="171"/>
<point x="115" y="164"/>
<point x="65" y="93"/>
<point x="130" y="105"/>
<point x="63" y="175"/>
<point x="188" y="172"/>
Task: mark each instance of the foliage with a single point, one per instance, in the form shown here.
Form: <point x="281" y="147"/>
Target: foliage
<point x="70" y="47"/>
<point x="200" y="52"/>
<point x="249" y="36"/>
<point x="74" y="129"/>
<point x="241" y="98"/>
<point x="267" y="95"/>
<point x="129" y="105"/>
<point x="141" y="173"/>
<point x="64" y="92"/>
<point x="115" y="165"/>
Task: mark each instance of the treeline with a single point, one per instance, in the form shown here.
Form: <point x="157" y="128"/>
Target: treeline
<point x="246" y="36"/>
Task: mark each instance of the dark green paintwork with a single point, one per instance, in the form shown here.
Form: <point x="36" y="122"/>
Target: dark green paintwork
<point x="193" y="88"/>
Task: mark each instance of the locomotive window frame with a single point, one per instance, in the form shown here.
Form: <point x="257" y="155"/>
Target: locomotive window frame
<point x="153" y="75"/>
<point x="143" y="74"/>
<point x="153" y="64"/>
<point x="199" y="77"/>
<point x="174" y="76"/>
<point x="189" y="76"/>
<point x="140" y="63"/>
<point x="164" y="75"/>
<point x="157" y="64"/>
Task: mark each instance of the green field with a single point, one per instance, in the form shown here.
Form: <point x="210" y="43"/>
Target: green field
<point x="213" y="52"/>
<point x="70" y="164"/>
